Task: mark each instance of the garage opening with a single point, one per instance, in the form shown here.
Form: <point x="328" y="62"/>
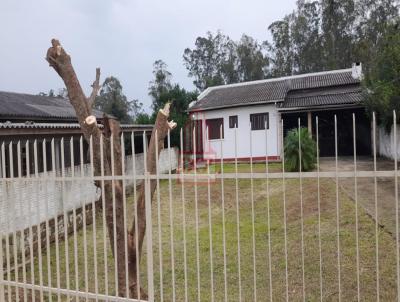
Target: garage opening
<point x="327" y="130"/>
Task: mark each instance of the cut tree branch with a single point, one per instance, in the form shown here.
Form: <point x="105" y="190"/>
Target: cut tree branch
<point x="95" y="89"/>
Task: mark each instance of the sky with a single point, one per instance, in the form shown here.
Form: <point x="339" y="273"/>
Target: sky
<point x="122" y="37"/>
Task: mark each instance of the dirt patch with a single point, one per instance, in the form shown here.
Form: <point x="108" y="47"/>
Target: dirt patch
<point x="368" y="192"/>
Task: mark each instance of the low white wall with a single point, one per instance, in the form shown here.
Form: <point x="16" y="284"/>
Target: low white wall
<point x="25" y="202"/>
<point x="385" y="143"/>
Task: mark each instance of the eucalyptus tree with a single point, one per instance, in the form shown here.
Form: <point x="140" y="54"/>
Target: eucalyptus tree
<point x="112" y="100"/>
<point x="252" y="61"/>
<point x="281" y="49"/>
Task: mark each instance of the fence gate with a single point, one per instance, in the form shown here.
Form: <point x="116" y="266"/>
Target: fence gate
<point x="217" y="229"/>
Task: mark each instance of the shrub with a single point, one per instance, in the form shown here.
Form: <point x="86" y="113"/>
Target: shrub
<point x="291" y="149"/>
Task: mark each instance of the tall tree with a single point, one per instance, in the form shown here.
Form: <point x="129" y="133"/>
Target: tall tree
<point x="306" y="37"/>
<point x="251" y="59"/>
<point x="228" y="66"/>
<point x="281" y="48"/>
<point x="161" y="83"/>
<point x="205" y="61"/>
<point x="338" y="18"/>
<point x="216" y="59"/>
<point x="383" y="78"/>
<point x="180" y="100"/>
<point x="373" y="17"/>
<point x="136" y="109"/>
<point x="162" y="92"/>
<point x="113" y="101"/>
<point x="329" y="34"/>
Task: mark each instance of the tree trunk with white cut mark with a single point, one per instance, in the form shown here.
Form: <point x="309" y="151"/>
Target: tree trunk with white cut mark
<point x="113" y="190"/>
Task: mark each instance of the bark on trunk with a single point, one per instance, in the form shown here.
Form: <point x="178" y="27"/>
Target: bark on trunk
<point x="113" y="192"/>
<point x="159" y="133"/>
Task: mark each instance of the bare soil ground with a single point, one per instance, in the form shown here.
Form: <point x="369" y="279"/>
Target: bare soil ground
<point x="385" y="187"/>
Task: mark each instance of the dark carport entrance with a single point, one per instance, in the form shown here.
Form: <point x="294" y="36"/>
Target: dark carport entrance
<point x="326" y="129"/>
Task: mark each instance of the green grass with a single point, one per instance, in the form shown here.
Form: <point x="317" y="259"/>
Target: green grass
<point x="261" y="269"/>
<point x="241" y="167"/>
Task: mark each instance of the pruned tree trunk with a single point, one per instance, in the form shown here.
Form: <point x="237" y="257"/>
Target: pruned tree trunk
<point x="158" y="136"/>
<point x="113" y="190"/>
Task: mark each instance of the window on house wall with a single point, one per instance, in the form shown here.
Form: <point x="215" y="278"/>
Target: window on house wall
<point x="259" y="120"/>
<point x="214" y="126"/>
<point x="233" y="121"/>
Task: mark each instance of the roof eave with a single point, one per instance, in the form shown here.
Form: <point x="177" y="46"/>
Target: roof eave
<point x="320" y="107"/>
<point x="235" y="106"/>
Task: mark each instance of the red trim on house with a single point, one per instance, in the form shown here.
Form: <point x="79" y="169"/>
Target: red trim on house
<point x="275" y="158"/>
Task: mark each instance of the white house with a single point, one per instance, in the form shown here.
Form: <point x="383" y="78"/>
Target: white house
<point x="251" y="115"/>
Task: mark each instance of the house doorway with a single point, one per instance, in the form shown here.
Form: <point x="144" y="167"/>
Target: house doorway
<point x="326" y="129"/>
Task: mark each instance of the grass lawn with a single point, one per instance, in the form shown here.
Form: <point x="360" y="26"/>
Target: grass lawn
<point x="251" y="269"/>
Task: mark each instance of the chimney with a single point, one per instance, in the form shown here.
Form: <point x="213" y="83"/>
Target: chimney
<point x="356" y="71"/>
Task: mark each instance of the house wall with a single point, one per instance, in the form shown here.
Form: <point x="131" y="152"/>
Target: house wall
<point x="26" y="203"/>
<point x="212" y="148"/>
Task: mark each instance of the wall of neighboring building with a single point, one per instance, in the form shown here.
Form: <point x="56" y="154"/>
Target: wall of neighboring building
<point x="385" y="143"/>
<point x="30" y="202"/>
<point x="260" y="138"/>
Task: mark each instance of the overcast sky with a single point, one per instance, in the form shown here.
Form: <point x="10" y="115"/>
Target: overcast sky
<point x="122" y="37"/>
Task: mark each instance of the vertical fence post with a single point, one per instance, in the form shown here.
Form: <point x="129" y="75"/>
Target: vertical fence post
<point x="149" y="238"/>
<point x="1" y="269"/>
<point x="3" y="175"/>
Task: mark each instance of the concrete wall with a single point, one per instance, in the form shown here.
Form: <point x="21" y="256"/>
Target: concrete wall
<point x="25" y="203"/>
<point x="385" y="143"/>
<point x="212" y="148"/>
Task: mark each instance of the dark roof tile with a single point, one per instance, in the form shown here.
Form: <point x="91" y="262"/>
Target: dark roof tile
<point x="339" y="95"/>
<point x="269" y="90"/>
<point x="32" y="125"/>
<point x="34" y="107"/>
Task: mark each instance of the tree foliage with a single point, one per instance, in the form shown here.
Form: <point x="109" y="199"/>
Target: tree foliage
<point x="338" y="20"/>
<point x="373" y="16"/>
<point x="160" y="85"/>
<point x="383" y="78"/>
<point x="292" y="154"/>
<point x="306" y="38"/>
<point x="143" y="119"/>
<point x="251" y="60"/>
<point x="61" y="93"/>
<point x="216" y="59"/>
<point x="162" y="91"/>
<point x="318" y="35"/>
<point x="113" y="101"/>
<point x="207" y="61"/>
<point x="281" y="50"/>
<point x="332" y="34"/>
<point x="328" y="34"/>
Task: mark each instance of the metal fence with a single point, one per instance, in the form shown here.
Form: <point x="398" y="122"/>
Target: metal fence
<point x="216" y="231"/>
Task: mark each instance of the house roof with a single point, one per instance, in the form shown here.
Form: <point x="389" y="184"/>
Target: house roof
<point x="125" y="127"/>
<point x="330" y="96"/>
<point x="36" y="107"/>
<point x="269" y="90"/>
